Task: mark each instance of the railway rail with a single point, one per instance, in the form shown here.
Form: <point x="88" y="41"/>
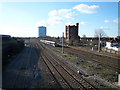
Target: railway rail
<point x="61" y="81"/>
<point x="58" y="78"/>
<point x="111" y="62"/>
<point x="66" y="76"/>
<point x="25" y="70"/>
<point x="18" y="83"/>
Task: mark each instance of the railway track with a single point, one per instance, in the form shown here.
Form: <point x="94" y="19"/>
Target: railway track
<point x="66" y="76"/>
<point x="72" y="73"/>
<point x="25" y="70"/>
<point x="21" y="82"/>
<point x="62" y="83"/>
<point x="58" y="77"/>
<point x="112" y="63"/>
<point x="28" y="69"/>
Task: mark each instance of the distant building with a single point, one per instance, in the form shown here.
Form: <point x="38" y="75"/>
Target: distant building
<point x="41" y="31"/>
<point x="72" y="32"/>
<point x="5" y="38"/>
<point x="118" y="37"/>
<point x="113" y="44"/>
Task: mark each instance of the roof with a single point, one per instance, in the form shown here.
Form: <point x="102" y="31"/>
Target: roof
<point x="116" y="40"/>
<point x="41" y="26"/>
<point x="5" y="36"/>
<point x="118" y="36"/>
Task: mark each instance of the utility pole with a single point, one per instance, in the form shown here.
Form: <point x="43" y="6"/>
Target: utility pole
<point x="99" y="43"/>
<point x="62" y="42"/>
<point x="119" y="79"/>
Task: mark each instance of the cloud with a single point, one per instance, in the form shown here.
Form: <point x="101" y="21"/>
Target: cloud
<point x="112" y="21"/>
<point x="67" y="13"/>
<point x="55" y="19"/>
<point x="69" y="23"/>
<point x="58" y="18"/>
<point x="101" y="31"/>
<point x="82" y="23"/>
<point x="104" y="28"/>
<point x="62" y="13"/>
<point x="107" y="21"/>
<point x="83" y="8"/>
<point x="41" y="23"/>
<point x="1" y="6"/>
<point x="17" y="32"/>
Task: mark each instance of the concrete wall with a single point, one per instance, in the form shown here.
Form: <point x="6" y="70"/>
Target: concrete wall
<point x="111" y="51"/>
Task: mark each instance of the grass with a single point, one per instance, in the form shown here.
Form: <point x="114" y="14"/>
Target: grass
<point x="90" y="67"/>
<point x="105" y="71"/>
<point x="69" y="57"/>
<point x="73" y="58"/>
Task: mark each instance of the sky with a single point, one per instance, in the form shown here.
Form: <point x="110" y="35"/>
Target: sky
<point x="21" y="19"/>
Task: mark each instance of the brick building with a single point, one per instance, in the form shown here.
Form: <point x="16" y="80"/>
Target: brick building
<point x="72" y="32"/>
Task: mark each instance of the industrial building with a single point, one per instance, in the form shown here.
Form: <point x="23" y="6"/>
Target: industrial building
<point x="42" y="31"/>
<point x="72" y="32"/>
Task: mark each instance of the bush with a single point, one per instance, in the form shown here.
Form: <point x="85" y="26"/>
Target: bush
<point x="13" y="48"/>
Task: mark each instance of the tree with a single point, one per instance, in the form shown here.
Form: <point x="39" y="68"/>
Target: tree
<point x="100" y="32"/>
<point x="84" y="36"/>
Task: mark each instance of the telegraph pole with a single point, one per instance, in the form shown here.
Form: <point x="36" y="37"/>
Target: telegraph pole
<point x="62" y="42"/>
<point x="119" y="79"/>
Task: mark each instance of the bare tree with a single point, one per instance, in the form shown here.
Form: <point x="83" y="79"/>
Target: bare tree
<point x="84" y="36"/>
<point x="100" y="33"/>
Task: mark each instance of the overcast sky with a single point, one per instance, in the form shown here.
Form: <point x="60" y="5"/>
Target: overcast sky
<point x="23" y="18"/>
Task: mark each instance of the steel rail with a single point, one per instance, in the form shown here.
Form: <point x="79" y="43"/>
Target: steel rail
<point x="72" y="73"/>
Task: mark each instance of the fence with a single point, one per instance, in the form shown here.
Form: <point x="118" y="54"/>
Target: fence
<point x="111" y="51"/>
